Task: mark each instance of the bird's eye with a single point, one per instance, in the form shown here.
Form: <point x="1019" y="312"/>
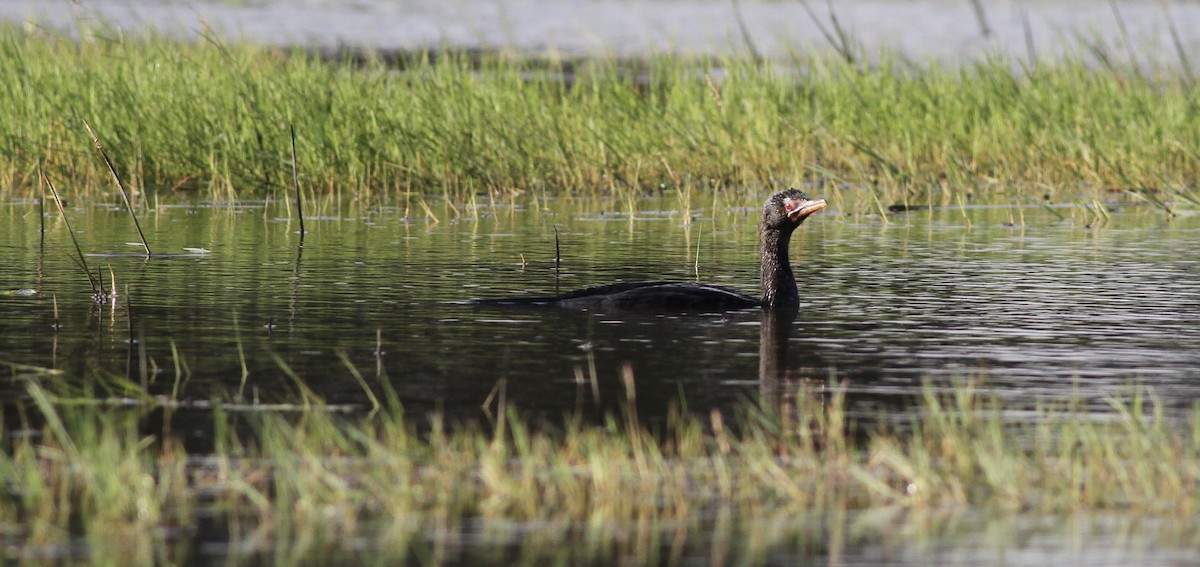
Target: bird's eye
<point x="789" y="205"/>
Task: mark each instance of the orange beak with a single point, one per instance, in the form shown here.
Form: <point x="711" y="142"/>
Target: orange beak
<point x="806" y="208"/>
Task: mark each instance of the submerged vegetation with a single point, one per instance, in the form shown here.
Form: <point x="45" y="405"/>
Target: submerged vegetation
<point x="314" y="481"/>
<point x="215" y="118"/>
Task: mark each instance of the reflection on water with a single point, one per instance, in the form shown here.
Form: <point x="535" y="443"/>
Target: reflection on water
<point x="893" y="537"/>
<point x="1035" y="310"/>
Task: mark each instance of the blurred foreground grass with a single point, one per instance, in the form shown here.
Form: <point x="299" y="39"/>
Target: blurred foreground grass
<point x="99" y="481"/>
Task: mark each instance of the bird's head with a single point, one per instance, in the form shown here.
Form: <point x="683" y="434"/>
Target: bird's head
<point x="789" y="208"/>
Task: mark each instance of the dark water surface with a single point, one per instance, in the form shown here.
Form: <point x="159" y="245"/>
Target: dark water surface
<point x="1034" y="311"/>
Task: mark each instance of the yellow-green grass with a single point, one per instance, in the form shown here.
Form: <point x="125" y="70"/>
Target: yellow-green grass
<point x="215" y="118"/>
<point x="310" y="481"/>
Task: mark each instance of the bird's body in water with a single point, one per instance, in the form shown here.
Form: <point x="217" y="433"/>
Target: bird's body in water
<point x="783" y="212"/>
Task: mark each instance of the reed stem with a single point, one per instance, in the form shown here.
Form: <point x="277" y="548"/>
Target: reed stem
<point x="296" y="183"/>
<point x="79" y="257"/>
<point x="120" y="187"/>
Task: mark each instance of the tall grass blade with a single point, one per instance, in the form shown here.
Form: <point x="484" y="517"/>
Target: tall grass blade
<point x="1125" y="37"/>
<point x="120" y="186"/>
<point x="837" y="42"/>
<point x="737" y="12"/>
<point x="1184" y="63"/>
<point x="362" y="382"/>
<point x="981" y="18"/>
<point x="1030" y="49"/>
<point x="80" y="259"/>
<point x="296" y="183"/>
<point x="53" y="419"/>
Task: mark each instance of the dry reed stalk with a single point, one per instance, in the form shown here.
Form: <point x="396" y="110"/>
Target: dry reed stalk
<point x="120" y="186"/>
<point x="79" y="257"/>
<point x="296" y="184"/>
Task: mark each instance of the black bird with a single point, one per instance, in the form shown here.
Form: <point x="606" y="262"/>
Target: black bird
<point x="783" y="212"/>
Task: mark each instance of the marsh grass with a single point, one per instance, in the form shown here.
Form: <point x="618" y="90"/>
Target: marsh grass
<point x="313" y="481"/>
<point x="214" y="118"/>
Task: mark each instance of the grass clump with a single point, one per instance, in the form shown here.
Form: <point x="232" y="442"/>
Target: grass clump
<point x="314" y="482"/>
<point x="216" y="117"/>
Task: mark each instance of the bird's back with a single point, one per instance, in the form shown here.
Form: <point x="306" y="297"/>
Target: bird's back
<point x="642" y="296"/>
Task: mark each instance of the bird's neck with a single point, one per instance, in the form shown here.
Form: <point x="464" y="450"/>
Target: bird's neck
<point x="778" y="283"/>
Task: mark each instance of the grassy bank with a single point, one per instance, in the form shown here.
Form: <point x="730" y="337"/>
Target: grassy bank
<point x="315" y="482"/>
<point x="215" y="118"/>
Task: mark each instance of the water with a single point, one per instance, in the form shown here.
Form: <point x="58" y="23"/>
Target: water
<point x="943" y="30"/>
<point x="931" y="296"/>
<point x="1041" y="310"/>
<point x="886" y="537"/>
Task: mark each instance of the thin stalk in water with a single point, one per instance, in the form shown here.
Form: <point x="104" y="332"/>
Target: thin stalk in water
<point x="79" y="257"/>
<point x="128" y="315"/>
<point x="120" y="186"/>
<point x="54" y="299"/>
<point x="557" y="260"/>
<point x="296" y="184"/>
<point x="237" y="334"/>
<point x="42" y="222"/>
<point x="557" y="252"/>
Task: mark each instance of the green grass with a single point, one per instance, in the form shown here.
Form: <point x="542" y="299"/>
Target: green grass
<point x="311" y="482"/>
<point x="214" y="118"/>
